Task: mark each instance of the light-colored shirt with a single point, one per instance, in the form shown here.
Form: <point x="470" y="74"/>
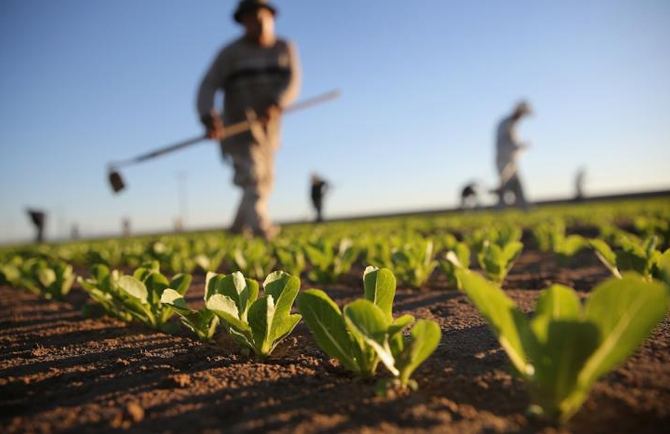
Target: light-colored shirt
<point x="508" y="146"/>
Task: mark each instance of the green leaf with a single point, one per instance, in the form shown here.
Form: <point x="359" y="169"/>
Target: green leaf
<point x="176" y="301"/>
<point x="284" y="327"/>
<point x="237" y="288"/>
<point x="606" y="255"/>
<point x="625" y="311"/>
<point x="261" y="315"/>
<point x="368" y="324"/>
<point x="180" y="283"/>
<point x="46" y="276"/>
<point x="399" y="324"/>
<point x="511" y="253"/>
<point x="557" y="303"/>
<point x="557" y="360"/>
<point x="134" y="288"/>
<point x="284" y="289"/>
<point x="226" y="308"/>
<point x="325" y="321"/>
<point x="379" y="286"/>
<point x="212" y="281"/>
<point x="504" y="319"/>
<point x="155" y="283"/>
<point x="424" y="338"/>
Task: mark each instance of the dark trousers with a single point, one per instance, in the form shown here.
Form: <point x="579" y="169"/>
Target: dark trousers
<point x="318" y="205"/>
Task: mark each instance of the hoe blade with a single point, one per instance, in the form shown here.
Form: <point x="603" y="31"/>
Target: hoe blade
<point x="116" y="181"/>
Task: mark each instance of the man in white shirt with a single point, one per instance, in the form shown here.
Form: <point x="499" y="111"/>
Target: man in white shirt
<point x="508" y="149"/>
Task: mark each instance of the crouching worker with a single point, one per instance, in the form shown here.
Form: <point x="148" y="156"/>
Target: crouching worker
<point x="258" y="75"/>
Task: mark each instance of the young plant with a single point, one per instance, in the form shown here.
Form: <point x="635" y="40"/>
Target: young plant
<point x="138" y="295"/>
<point x="102" y="287"/>
<point x="497" y="261"/>
<point x="10" y="271"/>
<point x="632" y="256"/>
<point x="53" y="282"/>
<point x="365" y="333"/>
<point x="202" y="322"/>
<point x="453" y="260"/>
<point x="415" y="262"/>
<point x="211" y="261"/>
<point x="254" y="259"/>
<point x="565" y="347"/>
<point x="329" y="263"/>
<point x="257" y="324"/>
<point x="500" y="236"/>
<point x="566" y="247"/>
<point x="292" y="259"/>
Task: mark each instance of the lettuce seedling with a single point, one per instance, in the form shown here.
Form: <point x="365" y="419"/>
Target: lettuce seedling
<point x="202" y="322"/>
<point x="414" y="262"/>
<point x="564" y="348"/>
<point x="365" y="333"/>
<point x="497" y="260"/>
<point x="566" y="247"/>
<point x="329" y="263"/>
<point x="458" y="257"/>
<point x="210" y="262"/>
<point x="257" y="324"/>
<point x="254" y="259"/>
<point x="102" y="287"/>
<point x="138" y="295"/>
<point x="52" y="282"/>
<point x="292" y="259"/>
<point x="500" y="236"/>
<point x="10" y="271"/>
<point x="632" y="256"/>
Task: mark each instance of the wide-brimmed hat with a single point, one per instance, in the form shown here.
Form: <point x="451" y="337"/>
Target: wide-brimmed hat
<point x="251" y="5"/>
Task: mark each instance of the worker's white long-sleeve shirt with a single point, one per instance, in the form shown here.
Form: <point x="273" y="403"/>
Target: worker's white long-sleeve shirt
<point x="507" y="146"/>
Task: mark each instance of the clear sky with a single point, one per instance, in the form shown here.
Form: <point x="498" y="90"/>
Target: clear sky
<point x="424" y="83"/>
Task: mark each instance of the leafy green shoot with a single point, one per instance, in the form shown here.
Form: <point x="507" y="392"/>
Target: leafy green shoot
<point x="564" y="348"/>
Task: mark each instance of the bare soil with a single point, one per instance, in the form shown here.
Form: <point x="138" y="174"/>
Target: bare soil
<point x="60" y="372"/>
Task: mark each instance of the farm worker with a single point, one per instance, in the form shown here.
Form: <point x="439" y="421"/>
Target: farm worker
<point x="259" y="74"/>
<point x="38" y="219"/>
<point x="319" y="188"/>
<point x="508" y="149"/>
<point x="579" y="183"/>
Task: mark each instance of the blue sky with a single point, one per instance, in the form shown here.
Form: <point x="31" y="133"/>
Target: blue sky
<point x="423" y="82"/>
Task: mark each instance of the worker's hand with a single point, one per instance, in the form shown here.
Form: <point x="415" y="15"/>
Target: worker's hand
<point x="271" y="112"/>
<point x="213" y="125"/>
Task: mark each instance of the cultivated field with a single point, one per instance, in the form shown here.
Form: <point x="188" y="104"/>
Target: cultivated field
<point x="103" y="352"/>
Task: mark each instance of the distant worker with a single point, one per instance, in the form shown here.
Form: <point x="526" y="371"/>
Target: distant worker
<point x="319" y="188"/>
<point x="469" y="195"/>
<point x="39" y="220"/>
<point x="74" y="231"/>
<point x="259" y="74"/>
<point x="579" y="183"/>
<point x="508" y="149"/>
<point x="125" y="227"/>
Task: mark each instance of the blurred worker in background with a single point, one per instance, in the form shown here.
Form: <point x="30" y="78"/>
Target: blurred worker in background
<point x="259" y="74"/>
<point x="469" y="195"/>
<point x="39" y="220"/>
<point x="319" y="188"/>
<point x="508" y="149"/>
<point x="580" y="177"/>
<point x="125" y="227"/>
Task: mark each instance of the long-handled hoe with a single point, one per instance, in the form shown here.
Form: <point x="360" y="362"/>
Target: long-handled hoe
<point x="117" y="183"/>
